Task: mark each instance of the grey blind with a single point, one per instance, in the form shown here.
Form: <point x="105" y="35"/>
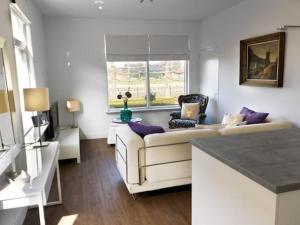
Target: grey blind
<point x="147" y="47"/>
<point x="169" y="47"/>
<point x="126" y="47"/>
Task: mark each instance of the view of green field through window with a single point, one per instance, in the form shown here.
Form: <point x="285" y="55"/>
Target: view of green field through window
<point x="166" y="82"/>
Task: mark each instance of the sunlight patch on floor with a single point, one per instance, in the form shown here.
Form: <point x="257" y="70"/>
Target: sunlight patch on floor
<point x="68" y="220"/>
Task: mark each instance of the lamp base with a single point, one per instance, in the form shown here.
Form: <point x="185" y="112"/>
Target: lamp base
<point x="41" y="145"/>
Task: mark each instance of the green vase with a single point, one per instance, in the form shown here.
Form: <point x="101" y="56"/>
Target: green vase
<point x="125" y="114"/>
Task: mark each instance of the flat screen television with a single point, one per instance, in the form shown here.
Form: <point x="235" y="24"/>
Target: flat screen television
<point x="53" y="128"/>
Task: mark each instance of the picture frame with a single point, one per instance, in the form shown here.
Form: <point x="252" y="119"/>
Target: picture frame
<point x="262" y="60"/>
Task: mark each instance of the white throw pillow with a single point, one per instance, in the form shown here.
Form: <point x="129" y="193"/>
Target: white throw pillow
<point x="190" y="111"/>
<point x="232" y="120"/>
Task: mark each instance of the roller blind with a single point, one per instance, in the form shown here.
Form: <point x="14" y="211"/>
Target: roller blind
<point x="146" y="47"/>
<point x="126" y="47"/>
<point x="168" y="47"/>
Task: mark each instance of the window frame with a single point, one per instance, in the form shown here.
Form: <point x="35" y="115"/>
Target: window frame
<point x="24" y="47"/>
<point x="148" y="106"/>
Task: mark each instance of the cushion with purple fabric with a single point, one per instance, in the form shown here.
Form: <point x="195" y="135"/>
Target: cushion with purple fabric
<point x="252" y="117"/>
<point x="143" y="130"/>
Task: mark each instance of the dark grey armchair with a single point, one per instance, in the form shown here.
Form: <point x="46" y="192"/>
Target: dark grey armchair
<point x="177" y="122"/>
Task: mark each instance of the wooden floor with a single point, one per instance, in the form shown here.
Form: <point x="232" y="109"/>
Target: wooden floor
<point x="95" y="193"/>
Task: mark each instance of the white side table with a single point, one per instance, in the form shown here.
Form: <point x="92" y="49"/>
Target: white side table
<point x="112" y="131"/>
<point x="69" y="144"/>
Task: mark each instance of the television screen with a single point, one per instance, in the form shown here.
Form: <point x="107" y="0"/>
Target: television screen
<point x="53" y="118"/>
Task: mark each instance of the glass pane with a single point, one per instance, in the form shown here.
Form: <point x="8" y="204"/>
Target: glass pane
<point x="123" y="76"/>
<point x="19" y="28"/>
<point x="167" y="82"/>
<point x="24" y="82"/>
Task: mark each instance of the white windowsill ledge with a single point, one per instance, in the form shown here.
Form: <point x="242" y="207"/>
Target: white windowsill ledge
<point x="153" y="109"/>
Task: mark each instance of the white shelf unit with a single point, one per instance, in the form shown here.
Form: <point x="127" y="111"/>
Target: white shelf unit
<point x="69" y="141"/>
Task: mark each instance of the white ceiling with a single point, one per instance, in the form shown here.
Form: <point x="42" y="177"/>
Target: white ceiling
<point x="133" y="9"/>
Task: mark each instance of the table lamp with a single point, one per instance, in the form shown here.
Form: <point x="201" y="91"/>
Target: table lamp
<point x="4" y="108"/>
<point x="37" y="100"/>
<point x="73" y="106"/>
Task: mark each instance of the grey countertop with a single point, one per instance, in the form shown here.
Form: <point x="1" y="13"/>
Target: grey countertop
<point x="271" y="159"/>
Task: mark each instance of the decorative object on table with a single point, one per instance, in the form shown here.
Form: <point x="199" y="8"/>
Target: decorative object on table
<point x="176" y="119"/>
<point x="73" y="106"/>
<point x="37" y="100"/>
<point x="125" y="113"/>
<point x="143" y="130"/>
<point x="262" y="60"/>
<point x="19" y="177"/>
<point x="252" y="117"/>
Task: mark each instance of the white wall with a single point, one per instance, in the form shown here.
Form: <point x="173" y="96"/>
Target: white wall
<point x="15" y="216"/>
<point x="249" y="19"/>
<point x="86" y="79"/>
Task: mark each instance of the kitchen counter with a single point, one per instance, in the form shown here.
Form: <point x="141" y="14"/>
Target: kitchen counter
<point x="247" y="179"/>
<point x="271" y="159"/>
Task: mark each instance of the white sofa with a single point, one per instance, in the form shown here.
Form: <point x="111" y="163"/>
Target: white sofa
<point x="164" y="160"/>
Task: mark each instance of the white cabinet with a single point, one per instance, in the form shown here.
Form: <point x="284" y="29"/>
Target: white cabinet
<point x="69" y="144"/>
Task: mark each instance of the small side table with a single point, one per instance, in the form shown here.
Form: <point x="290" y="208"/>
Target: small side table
<point x="69" y="143"/>
<point x="112" y="131"/>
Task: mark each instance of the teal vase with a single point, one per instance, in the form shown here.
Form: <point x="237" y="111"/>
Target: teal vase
<point x="125" y="114"/>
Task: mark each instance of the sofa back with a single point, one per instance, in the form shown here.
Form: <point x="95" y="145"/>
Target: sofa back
<point x="253" y="128"/>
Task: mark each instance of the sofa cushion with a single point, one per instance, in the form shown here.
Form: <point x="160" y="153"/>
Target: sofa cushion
<point x="233" y="120"/>
<point x="143" y="130"/>
<point x="252" y="117"/>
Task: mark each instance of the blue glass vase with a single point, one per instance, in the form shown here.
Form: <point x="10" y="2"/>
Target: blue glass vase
<point x="125" y="114"/>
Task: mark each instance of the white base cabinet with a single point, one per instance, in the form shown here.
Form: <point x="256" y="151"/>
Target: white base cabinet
<point x="69" y="144"/>
<point x="223" y="196"/>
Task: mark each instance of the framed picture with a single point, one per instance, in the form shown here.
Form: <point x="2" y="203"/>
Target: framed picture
<point x="262" y="60"/>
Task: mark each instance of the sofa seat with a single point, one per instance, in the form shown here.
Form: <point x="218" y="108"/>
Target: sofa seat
<point x="171" y="154"/>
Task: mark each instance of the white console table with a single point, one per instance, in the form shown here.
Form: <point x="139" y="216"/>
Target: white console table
<point x="69" y="143"/>
<point x="36" y="193"/>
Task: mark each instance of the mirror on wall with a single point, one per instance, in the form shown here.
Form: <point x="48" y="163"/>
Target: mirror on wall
<point x="7" y="138"/>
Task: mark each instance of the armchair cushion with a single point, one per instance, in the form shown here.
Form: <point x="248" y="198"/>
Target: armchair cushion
<point x="175" y="115"/>
<point x="190" y="111"/>
<point x="179" y="123"/>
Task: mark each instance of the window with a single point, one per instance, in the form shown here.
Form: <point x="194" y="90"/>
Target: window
<point x="24" y="59"/>
<point x="154" y="77"/>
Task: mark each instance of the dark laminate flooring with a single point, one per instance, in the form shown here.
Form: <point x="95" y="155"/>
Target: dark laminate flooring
<point x="94" y="194"/>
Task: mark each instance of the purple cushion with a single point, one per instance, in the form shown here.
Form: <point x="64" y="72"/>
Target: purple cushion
<point x="144" y="130"/>
<point x="252" y="117"/>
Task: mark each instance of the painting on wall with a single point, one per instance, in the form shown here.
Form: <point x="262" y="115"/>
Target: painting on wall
<point x="262" y="60"/>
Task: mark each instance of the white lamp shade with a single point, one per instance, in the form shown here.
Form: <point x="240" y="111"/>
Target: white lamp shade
<point x="36" y="99"/>
<point x="73" y="105"/>
<point x="4" y="106"/>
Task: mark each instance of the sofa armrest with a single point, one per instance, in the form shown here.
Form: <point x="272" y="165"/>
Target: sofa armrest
<point x="253" y="128"/>
<point x="175" y="115"/>
<point x="128" y="145"/>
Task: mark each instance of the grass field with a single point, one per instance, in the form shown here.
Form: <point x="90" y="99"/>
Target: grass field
<point x="159" y="101"/>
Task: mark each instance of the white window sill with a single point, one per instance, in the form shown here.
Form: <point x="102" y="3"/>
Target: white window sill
<point x="153" y="109"/>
